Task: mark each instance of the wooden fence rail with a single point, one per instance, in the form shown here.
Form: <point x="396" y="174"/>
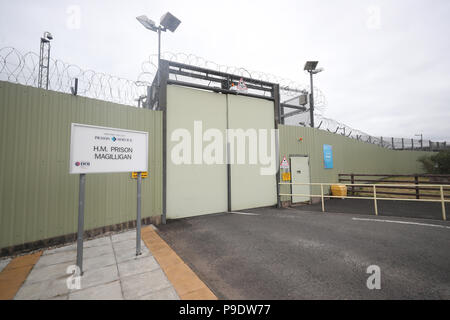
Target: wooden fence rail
<point x="419" y="181"/>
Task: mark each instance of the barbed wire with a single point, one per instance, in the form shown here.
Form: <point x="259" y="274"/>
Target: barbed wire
<point x="24" y="69"/>
<point x="288" y="88"/>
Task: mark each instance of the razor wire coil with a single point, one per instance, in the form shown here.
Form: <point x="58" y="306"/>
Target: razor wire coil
<point x="23" y="68"/>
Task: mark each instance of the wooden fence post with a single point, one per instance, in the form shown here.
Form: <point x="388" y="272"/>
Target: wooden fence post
<point x="416" y="181"/>
<point x="352" y="182"/>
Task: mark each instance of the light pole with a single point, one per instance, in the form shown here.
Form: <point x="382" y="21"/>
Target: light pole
<point x="167" y="22"/>
<point x="44" y="60"/>
<point x="310" y="66"/>
<point x="421" y="139"/>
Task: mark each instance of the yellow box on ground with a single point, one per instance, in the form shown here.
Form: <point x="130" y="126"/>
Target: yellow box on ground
<point x="338" y="190"/>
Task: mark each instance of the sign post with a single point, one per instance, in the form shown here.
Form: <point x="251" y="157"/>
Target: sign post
<point x="81" y="193"/>
<point x="96" y="149"/>
<point x="138" y="219"/>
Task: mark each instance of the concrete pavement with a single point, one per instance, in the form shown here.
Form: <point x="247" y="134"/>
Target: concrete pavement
<point x="112" y="271"/>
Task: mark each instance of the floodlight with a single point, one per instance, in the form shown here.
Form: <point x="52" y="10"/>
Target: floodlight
<point x="170" y="22"/>
<point x="310" y="65"/>
<point x="303" y="99"/>
<point x="147" y="23"/>
<point x="317" y="70"/>
<point x="46" y="37"/>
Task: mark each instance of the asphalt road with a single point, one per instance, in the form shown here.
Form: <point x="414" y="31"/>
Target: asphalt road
<point x="297" y="254"/>
<point x="410" y="209"/>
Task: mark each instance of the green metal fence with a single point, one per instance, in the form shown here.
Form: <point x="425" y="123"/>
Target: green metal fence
<point x="38" y="197"/>
<point x="349" y="155"/>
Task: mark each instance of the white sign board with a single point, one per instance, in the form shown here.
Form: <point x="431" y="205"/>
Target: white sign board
<point x="99" y="149"/>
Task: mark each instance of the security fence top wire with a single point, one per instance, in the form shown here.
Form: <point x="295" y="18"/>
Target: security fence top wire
<point x="23" y="68"/>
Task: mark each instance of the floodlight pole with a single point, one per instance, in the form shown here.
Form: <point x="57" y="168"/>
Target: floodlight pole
<point x="159" y="57"/>
<point x="311" y="100"/>
<point x="44" y="61"/>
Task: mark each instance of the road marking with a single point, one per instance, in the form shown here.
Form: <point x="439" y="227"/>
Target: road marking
<point x="244" y="213"/>
<point x="404" y="222"/>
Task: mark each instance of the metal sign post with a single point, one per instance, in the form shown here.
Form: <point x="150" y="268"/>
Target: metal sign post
<point x="95" y="149"/>
<point x="138" y="219"/>
<point x="80" y="222"/>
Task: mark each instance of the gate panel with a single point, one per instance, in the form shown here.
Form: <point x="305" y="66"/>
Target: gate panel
<point x="194" y="189"/>
<point x="249" y="188"/>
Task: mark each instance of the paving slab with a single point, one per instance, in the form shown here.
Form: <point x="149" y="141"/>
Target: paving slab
<point x="144" y="283"/>
<point x="98" y="276"/>
<point x="136" y="266"/>
<point x="163" y="294"/>
<point x="128" y="235"/>
<point x="48" y="273"/>
<point x="97" y="242"/>
<point x="108" y="291"/>
<point x="127" y="244"/>
<point x="125" y="254"/>
<point x="63" y="297"/>
<point x="56" y="258"/>
<point x="99" y="262"/>
<point x="97" y="251"/>
<point x="42" y="290"/>
<point x="71" y="247"/>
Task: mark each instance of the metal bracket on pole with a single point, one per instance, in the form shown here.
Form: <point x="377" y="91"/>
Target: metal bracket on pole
<point x="138" y="219"/>
<point x="81" y="194"/>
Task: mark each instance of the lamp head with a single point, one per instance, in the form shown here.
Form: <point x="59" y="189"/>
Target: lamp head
<point x="310" y="65"/>
<point x="170" y="22"/>
<point x="317" y="70"/>
<point x="147" y="23"/>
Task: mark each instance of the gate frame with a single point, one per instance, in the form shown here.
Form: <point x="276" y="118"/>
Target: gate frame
<point x="157" y="100"/>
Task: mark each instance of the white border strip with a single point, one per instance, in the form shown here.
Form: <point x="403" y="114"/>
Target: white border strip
<point x="404" y="222"/>
<point x="244" y="213"/>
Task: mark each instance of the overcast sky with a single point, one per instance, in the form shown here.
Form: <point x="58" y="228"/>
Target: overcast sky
<point x="386" y="63"/>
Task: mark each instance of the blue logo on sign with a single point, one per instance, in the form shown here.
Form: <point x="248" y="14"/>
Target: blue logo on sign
<point x="113" y="139"/>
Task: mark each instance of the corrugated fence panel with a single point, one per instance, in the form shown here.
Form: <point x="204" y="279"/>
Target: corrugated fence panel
<point x="38" y="196"/>
<point x="349" y="155"/>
